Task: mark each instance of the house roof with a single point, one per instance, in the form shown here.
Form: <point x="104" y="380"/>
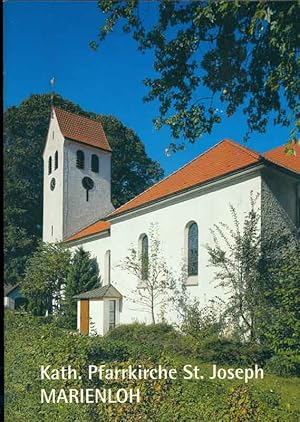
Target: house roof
<point x="81" y="129"/>
<point x="98" y="227"/>
<point x="107" y="291"/>
<point x="278" y="156"/>
<point x="10" y="288"/>
<point x="223" y="159"/>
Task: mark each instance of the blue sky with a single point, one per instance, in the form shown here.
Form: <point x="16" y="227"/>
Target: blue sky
<point x="45" y="39"/>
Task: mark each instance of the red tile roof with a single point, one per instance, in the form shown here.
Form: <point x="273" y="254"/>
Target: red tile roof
<point x="81" y="129"/>
<point x="278" y="156"/>
<point x="223" y="158"/>
<point x="98" y="227"/>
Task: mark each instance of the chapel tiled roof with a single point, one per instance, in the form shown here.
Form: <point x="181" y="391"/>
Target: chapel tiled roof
<point x="278" y="156"/>
<point x="108" y="291"/>
<point x="98" y="227"/>
<point x="223" y="159"/>
<point x="81" y="129"/>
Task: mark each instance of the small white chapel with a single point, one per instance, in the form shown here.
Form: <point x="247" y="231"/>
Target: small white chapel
<point x="184" y="207"/>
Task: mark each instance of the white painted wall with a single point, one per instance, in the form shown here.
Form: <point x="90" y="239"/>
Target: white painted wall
<point x="99" y="315"/>
<point x="53" y="200"/>
<point x="96" y="317"/>
<point x="9" y="302"/>
<point x="78" y="212"/>
<point x="65" y="210"/>
<point x="206" y="210"/>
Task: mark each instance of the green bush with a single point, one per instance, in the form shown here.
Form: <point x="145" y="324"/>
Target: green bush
<point x="285" y="364"/>
<point x="146" y="340"/>
<point x="35" y="341"/>
<point x="242" y="405"/>
<point x="225" y="351"/>
<point x="156" y="340"/>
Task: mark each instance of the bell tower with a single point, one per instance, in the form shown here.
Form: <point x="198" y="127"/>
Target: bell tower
<point x="77" y="175"/>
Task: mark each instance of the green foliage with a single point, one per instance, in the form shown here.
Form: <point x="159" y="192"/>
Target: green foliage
<point x="201" y="322"/>
<point x="285" y="364"/>
<point x="25" y="131"/>
<point x="281" y="327"/>
<point x="146" y="340"/>
<point x="45" y="277"/>
<point x="209" y="55"/>
<point x="132" y="170"/>
<point x="32" y="342"/>
<point x="82" y="276"/>
<point x="225" y="351"/>
<point x="236" y="257"/>
<point x="261" y="274"/>
<point x="35" y="341"/>
<point x="242" y="406"/>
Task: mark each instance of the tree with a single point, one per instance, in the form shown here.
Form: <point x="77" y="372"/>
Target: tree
<point x="25" y="131"/>
<point x="209" y="55"/>
<point x="155" y="280"/>
<point x="82" y="276"/>
<point x="280" y="325"/>
<point x="45" y="278"/>
<point x="236" y="255"/>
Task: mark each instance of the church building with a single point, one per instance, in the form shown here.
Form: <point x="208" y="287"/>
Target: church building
<point x="183" y="208"/>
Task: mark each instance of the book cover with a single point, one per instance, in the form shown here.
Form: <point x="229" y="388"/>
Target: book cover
<point x="151" y="211"/>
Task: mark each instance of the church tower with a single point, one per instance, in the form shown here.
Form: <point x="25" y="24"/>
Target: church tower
<point x="77" y="175"/>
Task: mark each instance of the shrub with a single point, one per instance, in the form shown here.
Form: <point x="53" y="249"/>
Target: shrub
<point x="285" y="364"/>
<point x="242" y="406"/>
<point x="201" y="322"/>
<point x="32" y="341"/>
<point x="146" y="340"/>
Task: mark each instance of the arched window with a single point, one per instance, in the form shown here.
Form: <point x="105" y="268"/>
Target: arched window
<point x="50" y="165"/>
<point x="107" y="267"/>
<point x="95" y="163"/>
<point x="80" y="159"/>
<point x="144" y="251"/>
<point x="192" y="249"/>
<point x="56" y="160"/>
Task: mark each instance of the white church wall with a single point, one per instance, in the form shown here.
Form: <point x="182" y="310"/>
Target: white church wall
<point x="206" y="210"/>
<point x="96" y="310"/>
<point x="53" y="199"/>
<point x="79" y="213"/>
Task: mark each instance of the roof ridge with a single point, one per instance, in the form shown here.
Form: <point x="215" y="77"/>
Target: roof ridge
<point x="107" y="287"/>
<point x="182" y="167"/>
<point x="294" y="144"/>
<point x="76" y="114"/>
<point x="247" y="150"/>
<point x="78" y="127"/>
